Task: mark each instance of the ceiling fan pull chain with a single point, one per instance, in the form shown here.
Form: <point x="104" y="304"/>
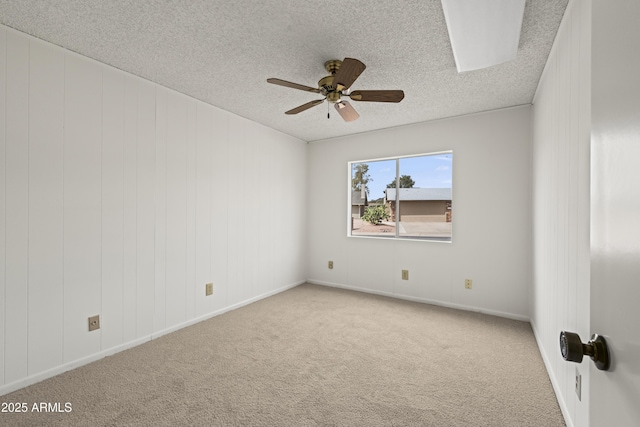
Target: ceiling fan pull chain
<point x="328" y="111"/>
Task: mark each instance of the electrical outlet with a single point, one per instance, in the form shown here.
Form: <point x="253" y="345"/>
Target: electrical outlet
<point x="330" y="265"/>
<point x="94" y="323"/>
<point x="578" y="384"/>
<point x="468" y="283"/>
<point x="405" y="274"/>
<point x="208" y="289"/>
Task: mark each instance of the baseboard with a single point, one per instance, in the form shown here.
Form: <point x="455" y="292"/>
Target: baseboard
<point x="49" y="373"/>
<point x="41" y="376"/>
<point x="223" y="310"/>
<point x="424" y="300"/>
<point x="554" y="382"/>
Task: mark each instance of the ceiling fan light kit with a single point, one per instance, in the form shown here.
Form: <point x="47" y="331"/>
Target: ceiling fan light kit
<point x="483" y="33"/>
<point x="342" y="74"/>
<point x="346" y="111"/>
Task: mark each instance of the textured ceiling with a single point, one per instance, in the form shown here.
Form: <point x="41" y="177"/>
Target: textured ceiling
<point x="222" y="52"/>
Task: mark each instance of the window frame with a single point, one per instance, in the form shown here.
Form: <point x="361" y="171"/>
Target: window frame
<point x="397" y="236"/>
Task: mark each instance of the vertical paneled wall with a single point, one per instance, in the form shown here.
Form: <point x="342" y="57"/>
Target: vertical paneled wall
<point x="561" y="144"/>
<point x="123" y="198"/>
<point x="16" y="178"/>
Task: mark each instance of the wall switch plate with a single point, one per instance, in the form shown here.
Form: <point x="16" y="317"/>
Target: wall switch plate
<point x="330" y="265"/>
<point x="405" y="274"/>
<point x="94" y="323"/>
<point x="468" y="283"/>
<point x="578" y="384"/>
<point x="208" y="290"/>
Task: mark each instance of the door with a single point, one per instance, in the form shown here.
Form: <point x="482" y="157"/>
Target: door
<point x="615" y="210"/>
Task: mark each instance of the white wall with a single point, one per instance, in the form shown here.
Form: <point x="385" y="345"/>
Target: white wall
<point x="561" y="145"/>
<point x="491" y="210"/>
<point x="122" y="198"/>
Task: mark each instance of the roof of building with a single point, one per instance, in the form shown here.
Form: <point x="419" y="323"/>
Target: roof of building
<point x="416" y="194"/>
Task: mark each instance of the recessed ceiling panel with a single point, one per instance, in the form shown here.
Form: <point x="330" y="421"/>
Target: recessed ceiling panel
<point x="483" y="33"/>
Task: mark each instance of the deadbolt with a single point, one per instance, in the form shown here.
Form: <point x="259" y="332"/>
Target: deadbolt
<point x="573" y="349"/>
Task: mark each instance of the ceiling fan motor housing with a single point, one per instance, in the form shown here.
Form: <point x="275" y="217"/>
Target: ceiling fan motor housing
<point x="326" y="85"/>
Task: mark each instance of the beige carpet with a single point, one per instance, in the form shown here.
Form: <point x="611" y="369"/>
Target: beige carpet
<point x="313" y="356"/>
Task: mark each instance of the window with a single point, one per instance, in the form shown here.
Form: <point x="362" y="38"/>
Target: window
<point x="403" y="197"/>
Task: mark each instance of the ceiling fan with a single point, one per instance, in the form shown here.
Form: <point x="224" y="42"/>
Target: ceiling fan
<point x="337" y="84"/>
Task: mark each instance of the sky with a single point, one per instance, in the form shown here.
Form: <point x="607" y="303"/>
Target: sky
<point x="432" y="171"/>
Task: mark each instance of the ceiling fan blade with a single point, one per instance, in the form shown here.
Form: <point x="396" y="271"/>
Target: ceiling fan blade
<point x="377" y="95"/>
<point x="305" y="106"/>
<point x="346" y="111"/>
<point x="293" y="85"/>
<point x="348" y="72"/>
